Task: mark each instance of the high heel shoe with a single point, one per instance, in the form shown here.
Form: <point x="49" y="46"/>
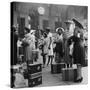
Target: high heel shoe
<point x="79" y="80"/>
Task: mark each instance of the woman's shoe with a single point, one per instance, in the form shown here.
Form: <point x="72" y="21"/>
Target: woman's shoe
<point x="79" y="80"/>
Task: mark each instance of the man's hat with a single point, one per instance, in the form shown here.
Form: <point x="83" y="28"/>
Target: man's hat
<point x="77" y="23"/>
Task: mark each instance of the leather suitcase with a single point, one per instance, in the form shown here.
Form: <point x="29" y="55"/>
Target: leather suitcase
<point x="34" y="74"/>
<point x="57" y="67"/>
<point x="35" y="81"/>
<point x="34" y="68"/>
<point x="69" y="74"/>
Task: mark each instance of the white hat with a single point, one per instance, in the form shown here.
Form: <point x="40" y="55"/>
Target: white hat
<point x="32" y="31"/>
<point x="59" y="28"/>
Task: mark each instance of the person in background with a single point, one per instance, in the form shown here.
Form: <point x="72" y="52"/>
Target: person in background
<point x="14" y="39"/>
<point x="45" y="48"/>
<point x="20" y="51"/>
<point x="78" y="48"/>
<point x="29" y="41"/>
<point x="33" y="45"/>
<point x="50" y="46"/>
<point x="86" y="45"/>
<point x="59" y="44"/>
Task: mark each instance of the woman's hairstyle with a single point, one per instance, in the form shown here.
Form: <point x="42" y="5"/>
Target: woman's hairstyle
<point x="45" y="34"/>
<point x="48" y="29"/>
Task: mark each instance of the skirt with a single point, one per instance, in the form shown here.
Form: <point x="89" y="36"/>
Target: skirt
<point x="79" y="54"/>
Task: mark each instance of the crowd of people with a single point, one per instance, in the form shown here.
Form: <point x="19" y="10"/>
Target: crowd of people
<point x="67" y="45"/>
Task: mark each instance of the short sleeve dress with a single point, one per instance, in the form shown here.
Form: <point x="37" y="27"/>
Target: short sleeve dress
<point x="50" y="51"/>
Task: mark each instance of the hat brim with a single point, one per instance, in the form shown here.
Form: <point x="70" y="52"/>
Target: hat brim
<point x="27" y="29"/>
<point x="32" y="31"/>
<point x="77" y="23"/>
<point x="69" y="22"/>
<point x="59" y="28"/>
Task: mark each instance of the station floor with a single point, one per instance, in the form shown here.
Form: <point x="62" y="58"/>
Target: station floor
<point x="49" y="79"/>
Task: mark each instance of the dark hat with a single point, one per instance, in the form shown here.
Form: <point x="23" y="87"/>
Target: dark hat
<point x="45" y="34"/>
<point x="77" y="23"/>
<point x="48" y="29"/>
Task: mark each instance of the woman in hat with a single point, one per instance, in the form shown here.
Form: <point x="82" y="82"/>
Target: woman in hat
<point x="59" y="45"/>
<point x="78" y="48"/>
<point x="30" y="40"/>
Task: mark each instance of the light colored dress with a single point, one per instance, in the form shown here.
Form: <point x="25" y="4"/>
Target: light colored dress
<point x="45" y="48"/>
<point x="50" y="51"/>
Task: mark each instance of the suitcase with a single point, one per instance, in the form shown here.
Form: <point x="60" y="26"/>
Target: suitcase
<point x="69" y="74"/>
<point x="34" y="74"/>
<point x="57" y="67"/>
<point x="35" y="81"/>
<point x="34" y="68"/>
